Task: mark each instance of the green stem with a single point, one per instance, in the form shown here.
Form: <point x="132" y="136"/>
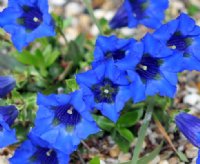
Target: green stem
<point x="90" y="10"/>
<point x="62" y="34"/>
<point x="142" y="132"/>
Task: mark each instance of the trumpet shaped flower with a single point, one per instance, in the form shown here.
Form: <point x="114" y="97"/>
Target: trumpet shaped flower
<point x="111" y="49"/>
<point x="189" y="125"/>
<point x="63" y="120"/>
<point x="36" y="151"/>
<point x="133" y="12"/>
<point x="151" y="69"/>
<point x="105" y="88"/>
<point x="182" y="36"/>
<point x="26" y="21"/>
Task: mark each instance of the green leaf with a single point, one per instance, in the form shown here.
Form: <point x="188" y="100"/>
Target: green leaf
<point x="35" y="59"/>
<point x="149" y="157"/>
<point x="143" y="130"/>
<point x="182" y="156"/>
<point x="104" y="123"/>
<point x="130" y="118"/>
<point x="123" y="143"/>
<point x="27" y="58"/>
<point x="50" y="55"/>
<point x="192" y="9"/>
<point x="126" y="133"/>
<point x="95" y="160"/>
<point x="71" y="85"/>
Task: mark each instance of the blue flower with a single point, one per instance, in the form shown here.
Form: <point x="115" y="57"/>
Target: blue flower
<point x="151" y="69"/>
<point x="36" y="151"/>
<point x="27" y="21"/>
<point x="190" y="126"/>
<point x="63" y="120"/>
<point x="183" y="37"/>
<point x="198" y="158"/>
<point x="7" y="116"/>
<point x="7" y="83"/>
<point x="133" y="12"/>
<point x="105" y="88"/>
<point x="111" y="49"/>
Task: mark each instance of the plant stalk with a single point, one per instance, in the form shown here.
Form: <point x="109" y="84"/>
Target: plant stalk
<point x="62" y="34"/>
<point x="142" y="131"/>
<point x="91" y="12"/>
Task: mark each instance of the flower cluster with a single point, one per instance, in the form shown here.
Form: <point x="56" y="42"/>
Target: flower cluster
<point x="122" y="70"/>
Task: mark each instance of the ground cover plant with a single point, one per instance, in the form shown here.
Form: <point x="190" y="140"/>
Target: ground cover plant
<point x="54" y="96"/>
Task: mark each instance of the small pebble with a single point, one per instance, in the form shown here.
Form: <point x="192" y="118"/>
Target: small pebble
<point x="114" y="151"/>
<point x="174" y="160"/>
<point x="164" y="162"/>
<point x="191" y="153"/>
<point x="191" y="99"/>
<point x="73" y="9"/>
<point x="124" y="157"/>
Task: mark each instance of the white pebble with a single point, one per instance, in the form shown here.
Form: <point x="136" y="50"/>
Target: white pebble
<point x="191" y="99"/>
<point x="73" y="9"/>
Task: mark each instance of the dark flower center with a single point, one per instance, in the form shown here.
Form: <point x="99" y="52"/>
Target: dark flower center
<point x="179" y="42"/>
<point x="67" y="115"/>
<point x="139" y="7"/>
<point x="148" y="68"/>
<point x="116" y="55"/>
<point x="105" y="91"/>
<point x="44" y="156"/>
<point x="31" y="18"/>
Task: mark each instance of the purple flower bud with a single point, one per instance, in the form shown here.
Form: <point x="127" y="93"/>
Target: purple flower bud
<point x="190" y="126"/>
<point x="7" y="83"/>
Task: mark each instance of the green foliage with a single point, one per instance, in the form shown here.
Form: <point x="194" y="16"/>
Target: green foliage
<point x="182" y="156"/>
<point x="192" y="9"/>
<point x="95" y="160"/>
<point x="121" y="141"/>
<point x="130" y="118"/>
<point x="126" y="133"/>
<point x="71" y="85"/>
<point x="41" y="60"/>
<point x="76" y="50"/>
<point x="104" y="123"/>
<point x="149" y="157"/>
<point x="120" y="131"/>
